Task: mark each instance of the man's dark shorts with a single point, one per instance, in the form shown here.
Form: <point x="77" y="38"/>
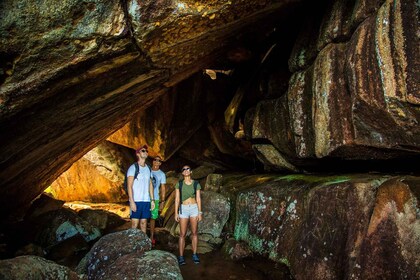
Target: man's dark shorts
<point x="143" y="211"/>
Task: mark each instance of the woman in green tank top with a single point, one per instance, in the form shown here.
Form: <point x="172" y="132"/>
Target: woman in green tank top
<point x="188" y="210"/>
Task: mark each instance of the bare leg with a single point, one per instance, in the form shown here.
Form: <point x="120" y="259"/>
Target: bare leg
<point x="152" y="229"/>
<point x="143" y="225"/>
<point x="135" y="223"/>
<point x="194" y="234"/>
<point x="183" y="223"/>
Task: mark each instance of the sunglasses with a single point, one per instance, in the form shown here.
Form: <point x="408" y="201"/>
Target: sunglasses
<point x="158" y="160"/>
<point x="143" y="150"/>
<point x="187" y="168"/>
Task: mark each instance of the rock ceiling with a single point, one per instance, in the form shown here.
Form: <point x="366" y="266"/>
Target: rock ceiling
<point x="74" y="73"/>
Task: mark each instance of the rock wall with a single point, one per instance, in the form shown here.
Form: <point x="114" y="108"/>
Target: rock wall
<point x="352" y="94"/>
<point x="97" y="177"/>
<point x="344" y="227"/>
<point x="170" y="122"/>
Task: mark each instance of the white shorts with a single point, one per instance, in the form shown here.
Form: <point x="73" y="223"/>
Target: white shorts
<point x="190" y="210"/>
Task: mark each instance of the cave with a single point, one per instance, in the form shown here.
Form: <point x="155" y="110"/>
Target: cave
<point x="303" y="115"/>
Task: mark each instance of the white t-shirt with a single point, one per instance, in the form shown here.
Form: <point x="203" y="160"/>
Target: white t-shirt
<point x="141" y="183"/>
<point x="159" y="179"/>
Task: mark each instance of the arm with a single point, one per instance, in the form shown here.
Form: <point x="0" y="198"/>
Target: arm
<point x="151" y="193"/>
<point x="163" y="188"/>
<point x="198" y="199"/>
<point x="177" y="199"/>
<point x="130" y="182"/>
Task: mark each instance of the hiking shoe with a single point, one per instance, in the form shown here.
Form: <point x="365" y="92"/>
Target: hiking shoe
<point x="196" y="259"/>
<point x="181" y="260"/>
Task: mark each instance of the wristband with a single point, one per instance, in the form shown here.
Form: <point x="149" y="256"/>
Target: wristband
<point x="200" y="212"/>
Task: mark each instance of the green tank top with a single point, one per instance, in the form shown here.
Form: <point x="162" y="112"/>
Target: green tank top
<point x="187" y="190"/>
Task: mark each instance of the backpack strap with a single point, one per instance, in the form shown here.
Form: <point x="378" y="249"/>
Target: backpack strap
<point x="195" y="184"/>
<point x="180" y="195"/>
<point x="136" y="173"/>
<point x="137" y="166"/>
<point x="195" y="187"/>
<point x="152" y="176"/>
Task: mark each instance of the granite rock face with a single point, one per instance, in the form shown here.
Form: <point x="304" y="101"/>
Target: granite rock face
<point x="72" y="74"/>
<point x="33" y="267"/>
<point x="354" y="91"/>
<point x="215" y="207"/>
<point x="169" y="123"/>
<point x="110" y="248"/>
<point x="360" y="227"/>
<point x="153" y="264"/>
<point x="97" y="177"/>
<point x="54" y="227"/>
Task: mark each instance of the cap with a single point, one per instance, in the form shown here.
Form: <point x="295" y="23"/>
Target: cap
<point x="142" y="147"/>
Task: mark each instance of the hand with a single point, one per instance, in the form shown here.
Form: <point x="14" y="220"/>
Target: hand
<point x="152" y="205"/>
<point x="133" y="206"/>
<point x="177" y="217"/>
<point x="200" y="217"/>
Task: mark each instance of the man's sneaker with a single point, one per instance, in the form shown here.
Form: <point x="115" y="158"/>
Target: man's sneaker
<point x="196" y="259"/>
<point x="181" y="260"/>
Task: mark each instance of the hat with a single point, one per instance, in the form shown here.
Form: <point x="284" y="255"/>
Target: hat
<point x="142" y="147"/>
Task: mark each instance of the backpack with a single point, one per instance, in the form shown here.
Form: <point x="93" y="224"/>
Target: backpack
<point x="195" y="183"/>
<point x="136" y="173"/>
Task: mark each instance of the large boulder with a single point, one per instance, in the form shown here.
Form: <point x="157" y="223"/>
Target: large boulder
<point x="153" y="264"/>
<point x="101" y="219"/>
<point x="336" y="228"/>
<point x="215" y="207"/>
<point x="33" y="267"/>
<point x="111" y="247"/>
<point x="42" y="204"/>
<point x="54" y="227"/>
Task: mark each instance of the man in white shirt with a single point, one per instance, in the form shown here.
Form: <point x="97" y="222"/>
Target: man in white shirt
<point x="140" y="191"/>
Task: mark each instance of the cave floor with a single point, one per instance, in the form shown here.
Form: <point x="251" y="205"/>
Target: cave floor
<point x="214" y="265"/>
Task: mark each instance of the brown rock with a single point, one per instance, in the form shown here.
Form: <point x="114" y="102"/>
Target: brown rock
<point x="56" y="226"/>
<point x="236" y="250"/>
<point x="33" y="267"/>
<point x="391" y="237"/>
<point x="101" y="219"/>
<point x="111" y="247"/>
<point x="153" y="264"/>
<point x="97" y="177"/>
<point x="214" y="182"/>
<point x="361" y="107"/>
<point x="335" y="228"/>
<point x="44" y="203"/>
